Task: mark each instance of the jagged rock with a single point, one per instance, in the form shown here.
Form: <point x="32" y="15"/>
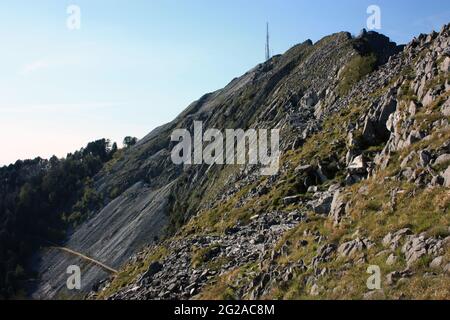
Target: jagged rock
<point x="445" y="108"/>
<point x="418" y="246"/>
<point x="392" y="259"/>
<point x="424" y="158"/>
<point x="393" y="240"/>
<point x="437" y="181"/>
<point x="310" y="99"/>
<point x="304" y="168"/>
<point x="231" y="230"/>
<point x="357" y="166"/>
<point x="437" y="262"/>
<point x="349" y="248"/>
<point x="408" y="174"/>
<point x="444" y="158"/>
<point x="445" y="66"/>
<point x="386" y="110"/>
<point x="323" y="254"/>
<point x="446" y="177"/>
<point x="413" y="137"/>
<point x="447" y="268"/>
<point x="428" y="98"/>
<point x="322" y="203"/>
<point x="296" y="216"/>
<point x="292" y="199"/>
<point x="412" y="109"/>
<point x="394" y="277"/>
<point x="408" y="159"/>
<point x="259" y="238"/>
<point x="334" y="187"/>
<point x="337" y="210"/>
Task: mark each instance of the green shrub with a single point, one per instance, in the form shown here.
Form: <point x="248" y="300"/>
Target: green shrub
<point x="354" y="71"/>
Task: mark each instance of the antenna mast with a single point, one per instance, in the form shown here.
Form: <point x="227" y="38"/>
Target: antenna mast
<point x="267" y="42"/>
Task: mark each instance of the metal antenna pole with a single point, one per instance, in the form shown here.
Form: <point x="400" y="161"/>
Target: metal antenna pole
<point x="267" y="42"/>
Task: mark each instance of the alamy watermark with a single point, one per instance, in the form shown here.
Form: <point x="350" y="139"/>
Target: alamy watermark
<point x="229" y="150"/>
<point x="74" y="280"/>
<point x="73" y="21"/>
<point x="374" y="20"/>
<point x="374" y="281"/>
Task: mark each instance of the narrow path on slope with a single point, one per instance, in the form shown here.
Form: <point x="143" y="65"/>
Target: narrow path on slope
<point x="84" y="257"/>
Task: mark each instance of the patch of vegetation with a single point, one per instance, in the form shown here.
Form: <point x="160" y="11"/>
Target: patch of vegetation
<point x="225" y="288"/>
<point x="354" y="71"/>
<point x="222" y="289"/>
<point x="201" y="256"/>
<point x="406" y="93"/>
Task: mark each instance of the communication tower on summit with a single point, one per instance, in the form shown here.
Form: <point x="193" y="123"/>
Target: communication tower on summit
<point x="267" y="42"/>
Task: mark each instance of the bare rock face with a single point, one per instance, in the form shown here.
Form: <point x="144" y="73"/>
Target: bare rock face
<point x="126" y="224"/>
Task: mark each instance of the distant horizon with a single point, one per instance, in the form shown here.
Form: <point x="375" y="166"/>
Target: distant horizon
<point x="134" y="67"/>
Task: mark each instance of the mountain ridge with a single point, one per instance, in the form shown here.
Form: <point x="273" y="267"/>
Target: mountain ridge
<point x="148" y="198"/>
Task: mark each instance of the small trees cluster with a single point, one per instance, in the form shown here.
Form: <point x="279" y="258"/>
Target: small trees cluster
<point x="129" y="141"/>
<point x="34" y="194"/>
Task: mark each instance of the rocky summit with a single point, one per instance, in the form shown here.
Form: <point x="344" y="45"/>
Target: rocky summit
<point x="363" y="185"/>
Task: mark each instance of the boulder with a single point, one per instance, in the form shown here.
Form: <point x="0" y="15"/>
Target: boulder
<point x="446" y="177"/>
<point x="447" y="268"/>
<point x="408" y="159"/>
<point x="445" y="108"/>
<point x="428" y="99"/>
<point x="357" y="166"/>
<point x="337" y="210"/>
<point x="391" y="259"/>
<point x="304" y="168"/>
<point x="292" y="200"/>
<point x="424" y="158"/>
<point x="392" y="240"/>
<point x="349" y="248"/>
<point x="324" y="254"/>
<point x="387" y="109"/>
<point x="310" y="99"/>
<point x="322" y="203"/>
<point x="413" y="137"/>
<point x="445" y="65"/>
<point x="437" y="262"/>
<point x="418" y="246"/>
<point x="393" y="277"/>
<point x="444" y="158"/>
<point x="412" y="108"/>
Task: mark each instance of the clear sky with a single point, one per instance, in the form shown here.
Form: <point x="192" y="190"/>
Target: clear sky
<point x="136" y="64"/>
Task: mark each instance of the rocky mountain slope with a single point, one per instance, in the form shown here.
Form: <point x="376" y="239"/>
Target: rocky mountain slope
<point x="363" y="181"/>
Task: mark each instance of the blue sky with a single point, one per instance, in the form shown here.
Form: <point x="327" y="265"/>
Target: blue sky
<point x="136" y="64"/>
